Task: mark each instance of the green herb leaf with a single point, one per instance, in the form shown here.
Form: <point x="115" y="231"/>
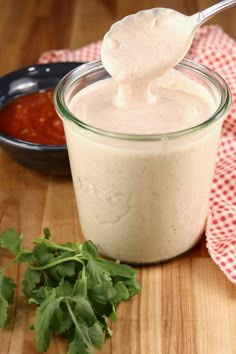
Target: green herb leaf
<point x="89" y="248"/>
<point x="77" y="345"/>
<point x="81" y="333"/>
<point x="96" y="274"/>
<point x="26" y="257"/>
<point x="46" y="242"/>
<point x="3" y="312"/>
<point x="83" y="310"/>
<point x="97" y="335"/>
<point x="43" y="320"/>
<point x="11" y="240"/>
<point x="76" y="292"/>
<point x="61" y="320"/>
<point x="43" y="254"/>
<point x="7" y="288"/>
<point x="65" y="269"/>
<point x="100" y="297"/>
<point x="47" y="233"/>
<point x="72" y="246"/>
<point x="115" y="268"/>
<point x="132" y="285"/>
<point x="30" y="283"/>
<point x="122" y="293"/>
<point x="81" y="287"/>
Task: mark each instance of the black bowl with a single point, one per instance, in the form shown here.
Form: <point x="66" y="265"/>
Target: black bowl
<point x="50" y="159"/>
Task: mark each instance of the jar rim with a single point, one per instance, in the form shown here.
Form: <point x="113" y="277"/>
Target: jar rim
<point x="88" y="68"/>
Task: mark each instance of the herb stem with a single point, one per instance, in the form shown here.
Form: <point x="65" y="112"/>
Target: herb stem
<point x="9" y="264"/>
<point x="59" y="247"/>
<point x="54" y="263"/>
<point x="72" y="314"/>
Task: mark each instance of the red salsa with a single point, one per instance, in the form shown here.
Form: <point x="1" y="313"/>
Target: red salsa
<point x="33" y="118"/>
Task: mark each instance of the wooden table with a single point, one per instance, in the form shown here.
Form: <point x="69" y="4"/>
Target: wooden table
<point x="186" y="306"/>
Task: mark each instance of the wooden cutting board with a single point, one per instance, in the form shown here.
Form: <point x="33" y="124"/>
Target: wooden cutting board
<point x="186" y="306"/>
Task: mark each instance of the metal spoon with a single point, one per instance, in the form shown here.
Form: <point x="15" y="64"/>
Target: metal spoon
<point x="204" y="15"/>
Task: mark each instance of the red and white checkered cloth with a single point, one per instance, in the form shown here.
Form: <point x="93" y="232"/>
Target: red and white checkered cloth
<point x="214" y="48"/>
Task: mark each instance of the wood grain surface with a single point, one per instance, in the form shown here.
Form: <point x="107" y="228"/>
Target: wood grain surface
<point x="186" y="306"/>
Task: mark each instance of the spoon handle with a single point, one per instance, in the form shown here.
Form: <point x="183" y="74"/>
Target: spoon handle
<point x="206" y="14"/>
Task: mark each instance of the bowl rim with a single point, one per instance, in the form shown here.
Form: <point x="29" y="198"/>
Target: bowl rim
<point x="4" y="138"/>
<point x="40" y="65"/>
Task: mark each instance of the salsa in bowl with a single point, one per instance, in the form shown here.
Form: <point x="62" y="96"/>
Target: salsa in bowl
<point x="31" y="132"/>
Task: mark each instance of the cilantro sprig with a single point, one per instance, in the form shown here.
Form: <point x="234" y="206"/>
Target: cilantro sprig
<point x="75" y="291"/>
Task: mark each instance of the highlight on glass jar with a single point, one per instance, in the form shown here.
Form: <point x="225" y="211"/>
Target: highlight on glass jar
<point x="142" y="198"/>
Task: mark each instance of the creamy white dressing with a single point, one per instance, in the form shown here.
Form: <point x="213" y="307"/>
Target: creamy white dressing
<point x="147" y="44"/>
<point x="178" y="103"/>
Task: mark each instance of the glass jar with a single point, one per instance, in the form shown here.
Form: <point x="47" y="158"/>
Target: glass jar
<point x="142" y="198"/>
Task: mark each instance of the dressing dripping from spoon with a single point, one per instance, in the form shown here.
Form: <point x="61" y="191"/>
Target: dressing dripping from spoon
<point x="158" y="39"/>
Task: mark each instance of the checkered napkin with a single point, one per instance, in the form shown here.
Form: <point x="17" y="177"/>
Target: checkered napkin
<point x="214" y="48"/>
